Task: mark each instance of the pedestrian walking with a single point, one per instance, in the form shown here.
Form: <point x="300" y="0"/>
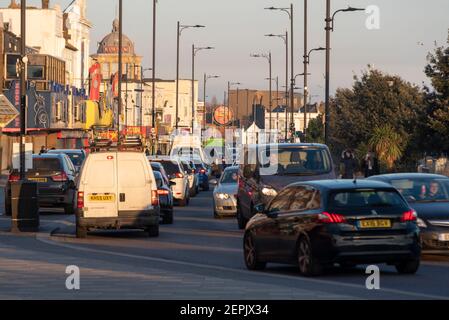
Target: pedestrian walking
<point x="349" y="164"/>
<point x="370" y="164"/>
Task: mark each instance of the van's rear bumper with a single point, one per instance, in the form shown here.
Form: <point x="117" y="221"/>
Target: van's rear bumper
<point x="124" y="220"/>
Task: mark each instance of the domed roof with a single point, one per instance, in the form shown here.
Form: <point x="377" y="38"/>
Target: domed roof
<point x="110" y="43"/>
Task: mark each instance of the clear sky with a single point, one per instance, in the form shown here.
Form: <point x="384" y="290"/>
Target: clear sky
<point x="408" y="30"/>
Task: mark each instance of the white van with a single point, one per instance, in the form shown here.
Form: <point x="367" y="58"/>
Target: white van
<point x="117" y="190"/>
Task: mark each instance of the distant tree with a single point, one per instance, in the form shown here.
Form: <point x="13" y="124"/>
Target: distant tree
<point x="435" y="134"/>
<point x="315" y="130"/>
<point x="388" y="144"/>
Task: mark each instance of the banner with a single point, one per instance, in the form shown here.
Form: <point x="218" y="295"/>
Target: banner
<point x="95" y="82"/>
<point x="115" y="84"/>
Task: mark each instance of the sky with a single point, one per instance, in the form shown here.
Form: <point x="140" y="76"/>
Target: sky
<point x="408" y="30"/>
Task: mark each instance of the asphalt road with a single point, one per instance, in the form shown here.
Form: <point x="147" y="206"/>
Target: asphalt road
<point x="197" y="257"/>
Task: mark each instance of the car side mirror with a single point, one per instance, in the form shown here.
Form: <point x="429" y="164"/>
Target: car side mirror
<point x="259" y="208"/>
<point x="172" y="183"/>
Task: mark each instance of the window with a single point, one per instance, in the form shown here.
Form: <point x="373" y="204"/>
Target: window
<point x="282" y="201"/>
<point x="46" y="164"/>
<point x="423" y="189"/>
<point x="306" y="198"/>
<point x="36" y="72"/>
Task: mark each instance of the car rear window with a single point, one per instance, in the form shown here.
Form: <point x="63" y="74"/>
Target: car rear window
<point x="170" y="167"/>
<point x="365" y="199"/>
<point x="77" y="158"/>
<point x="46" y="164"/>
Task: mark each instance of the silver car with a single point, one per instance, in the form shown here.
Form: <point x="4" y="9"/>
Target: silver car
<point x="224" y="196"/>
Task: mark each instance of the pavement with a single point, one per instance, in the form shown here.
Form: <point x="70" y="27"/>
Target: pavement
<point x="198" y="257"/>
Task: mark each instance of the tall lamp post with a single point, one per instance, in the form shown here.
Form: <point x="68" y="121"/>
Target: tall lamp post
<point x="268" y="57"/>
<point x="180" y="29"/>
<point x="330" y="27"/>
<point x="206" y="77"/>
<point x="289" y="11"/>
<point x="23" y="89"/>
<point x="285" y="39"/>
<point x="195" y="50"/>
<point x="229" y="97"/>
<point x="306" y="88"/>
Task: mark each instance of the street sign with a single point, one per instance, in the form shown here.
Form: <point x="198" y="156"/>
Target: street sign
<point x="7" y="111"/>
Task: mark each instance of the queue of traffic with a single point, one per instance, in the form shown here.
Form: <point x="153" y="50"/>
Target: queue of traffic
<point x="286" y="198"/>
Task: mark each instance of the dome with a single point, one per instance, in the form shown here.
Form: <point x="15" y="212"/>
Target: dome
<point x="110" y="43"/>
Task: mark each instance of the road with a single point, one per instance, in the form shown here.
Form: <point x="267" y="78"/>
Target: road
<point x="195" y="258"/>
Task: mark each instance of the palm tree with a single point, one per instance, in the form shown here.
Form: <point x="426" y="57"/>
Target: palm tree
<point x="388" y="144"/>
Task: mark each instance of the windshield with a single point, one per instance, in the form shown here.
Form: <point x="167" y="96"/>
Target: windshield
<point x="423" y="189"/>
<point x="229" y="176"/>
<point x="365" y="199"/>
<point x="296" y="161"/>
<point x="186" y="152"/>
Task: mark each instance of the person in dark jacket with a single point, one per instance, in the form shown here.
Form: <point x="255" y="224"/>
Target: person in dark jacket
<point x="370" y="164"/>
<point x="349" y="164"/>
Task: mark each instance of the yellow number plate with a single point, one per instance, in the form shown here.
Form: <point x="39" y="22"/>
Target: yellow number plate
<point x="101" y="197"/>
<point x="38" y="179"/>
<point x="366" y="224"/>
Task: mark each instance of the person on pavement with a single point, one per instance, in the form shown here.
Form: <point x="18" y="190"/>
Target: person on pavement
<point x="349" y="164"/>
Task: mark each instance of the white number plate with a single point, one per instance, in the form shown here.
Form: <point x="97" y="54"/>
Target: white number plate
<point x="443" y="237"/>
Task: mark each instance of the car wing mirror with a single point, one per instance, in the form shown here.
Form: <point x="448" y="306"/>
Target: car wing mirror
<point x="172" y="183"/>
<point x="260" y="208"/>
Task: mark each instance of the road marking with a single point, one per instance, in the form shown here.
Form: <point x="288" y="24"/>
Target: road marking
<point x="45" y="238"/>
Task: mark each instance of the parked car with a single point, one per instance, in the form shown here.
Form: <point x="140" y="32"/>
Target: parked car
<point x="428" y="194"/>
<point x="77" y="156"/>
<point x="117" y="190"/>
<point x="319" y="223"/>
<point x="56" y="178"/>
<point x="266" y="169"/>
<point x="192" y="177"/>
<point x="224" y="195"/>
<point x="176" y="174"/>
<point x="165" y="198"/>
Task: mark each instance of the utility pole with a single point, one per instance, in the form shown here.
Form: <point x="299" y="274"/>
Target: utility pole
<point x="153" y="80"/>
<point x="23" y="88"/>
<point x="120" y="67"/>
<point x="305" y="70"/>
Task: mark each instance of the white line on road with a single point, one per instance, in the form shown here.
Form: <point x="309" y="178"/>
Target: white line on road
<point x="45" y="238"/>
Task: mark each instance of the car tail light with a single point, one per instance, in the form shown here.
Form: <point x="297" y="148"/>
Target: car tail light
<point x="179" y="175"/>
<point x="327" y="217"/>
<point x="409" y="216"/>
<point x="163" y="192"/>
<point x="14" y="177"/>
<point x="80" y="200"/>
<point x="154" y="198"/>
<point x="202" y="171"/>
<point x="60" y="177"/>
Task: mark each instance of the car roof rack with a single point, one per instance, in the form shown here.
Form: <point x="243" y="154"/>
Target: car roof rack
<point x="126" y="143"/>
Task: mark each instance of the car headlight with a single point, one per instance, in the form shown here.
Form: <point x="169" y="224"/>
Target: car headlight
<point x="421" y="223"/>
<point x="223" y="196"/>
<point x="269" y="192"/>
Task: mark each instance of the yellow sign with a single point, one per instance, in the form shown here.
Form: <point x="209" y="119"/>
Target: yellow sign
<point x="370" y="224"/>
<point x="101" y="198"/>
<point x="7" y="111"/>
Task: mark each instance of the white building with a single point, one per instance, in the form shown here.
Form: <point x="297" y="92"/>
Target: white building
<point x="62" y="33"/>
<point x="278" y="119"/>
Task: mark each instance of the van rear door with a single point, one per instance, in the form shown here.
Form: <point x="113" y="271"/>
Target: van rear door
<point x="100" y="186"/>
<point x="134" y="183"/>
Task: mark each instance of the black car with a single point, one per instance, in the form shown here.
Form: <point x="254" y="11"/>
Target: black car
<point x="317" y="224"/>
<point x="157" y="166"/>
<point x="266" y="169"/>
<point x="55" y="175"/>
<point x="428" y="194"/>
<point x="77" y="156"/>
<point x="165" y="198"/>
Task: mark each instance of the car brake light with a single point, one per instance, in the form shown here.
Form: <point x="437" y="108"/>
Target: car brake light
<point x="13" y="177"/>
<point x="327" y="217"/>
<point x="60" y="177"/>
<point x="80" y="200"/>
<point x="154" y="198"/>
<point x="203" y="171"/>
<point x="162" y="192"/>
<point x="409" y="216"/>
<point x="179" y="175"/>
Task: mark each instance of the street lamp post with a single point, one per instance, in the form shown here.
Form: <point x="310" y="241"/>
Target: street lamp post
<point x="178" y="36"/>
<point x="285" y="39"/>
<point x="206" y="77"/>
<point x="120" y="72"/>
<point x="289" y="11"/>
<point x="195" y="50"/>
<point x="330" y="27"/>
<point x="23" y="89"/>
<point x="229" y="98"/>
<point x="306" y="88"/>
<point x="268" y="57"/>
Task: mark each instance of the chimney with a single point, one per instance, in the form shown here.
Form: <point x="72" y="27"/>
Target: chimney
<point x="45" y="4"/>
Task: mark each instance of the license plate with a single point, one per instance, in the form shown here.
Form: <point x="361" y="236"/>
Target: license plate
<point x="371" y="224"/>
<point x="101" y="197"/>
<point x="443" y="237"/>
<point x="38" y="179"/>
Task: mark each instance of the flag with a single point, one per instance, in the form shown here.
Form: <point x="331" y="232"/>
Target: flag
<point x="115" y="84"/>
<point x="95" y="82"/>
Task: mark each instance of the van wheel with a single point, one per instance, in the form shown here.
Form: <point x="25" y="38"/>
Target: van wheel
<point x="168" y="218"/>
<point x="308" y="265"/>
<point x="153" y="231"/>
<point x="408" y="267"/>
<point x="81" y="232"/>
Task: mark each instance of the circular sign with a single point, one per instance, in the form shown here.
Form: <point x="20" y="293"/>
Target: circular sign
<point x="223" y="115"/>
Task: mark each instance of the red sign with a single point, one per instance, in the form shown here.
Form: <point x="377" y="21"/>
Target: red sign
<point x="223" y="115"/>
<point x="95" y="81"/>
<point x="136" y="131"/>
